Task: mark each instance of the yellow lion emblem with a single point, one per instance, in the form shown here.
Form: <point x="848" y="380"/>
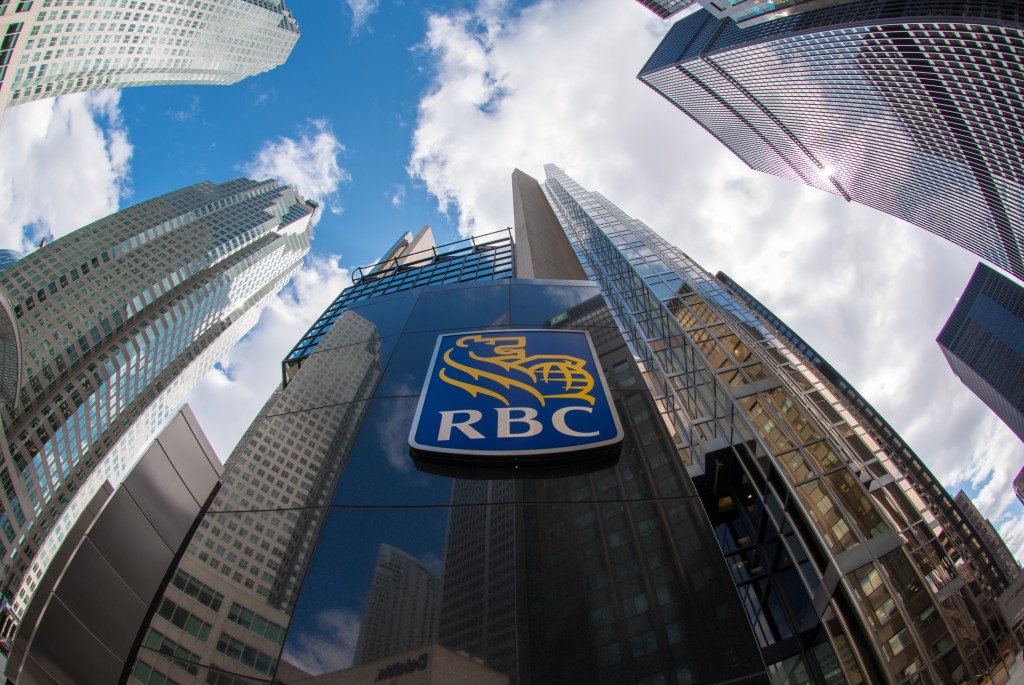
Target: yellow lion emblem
<point x="545" y="376"/>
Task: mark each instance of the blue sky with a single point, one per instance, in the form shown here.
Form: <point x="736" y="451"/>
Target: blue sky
<point x="417" y="114"/>
<point x="361" y="84"/>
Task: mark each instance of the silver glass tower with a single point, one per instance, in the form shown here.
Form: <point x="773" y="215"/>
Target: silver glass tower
<point x="105" y="330"/>
<point x="835" y="555"/>
<point x="912" y="108"/>
<point x="53" y="47"/>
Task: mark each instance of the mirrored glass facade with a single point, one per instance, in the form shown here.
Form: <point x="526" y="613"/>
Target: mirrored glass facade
<point x="752" y="529"/>
<point x="983" y="342"/>
<point x="835" y="555"/>
<point x="964" y="537"/>
<point x="330" y="556"/>
<point x="666" y="8"/>
<point x="912" y="108"/>
<point x="105" y="330"/>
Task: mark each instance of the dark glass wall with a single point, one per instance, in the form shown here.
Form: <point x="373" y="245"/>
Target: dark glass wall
<point x="602" y="574"/>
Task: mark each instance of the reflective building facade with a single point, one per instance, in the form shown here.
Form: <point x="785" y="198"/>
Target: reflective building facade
<point x="105" y="330"/>
<point x="983" y="341"/>
<point x="912" y="108"/>
<point x="606" y="572"/>
<point x="835" y="555"/>
<point x="666" y="8"/>
<point x="743" y="12"/>
<point x="751" y="529"/>
<point x="53" y="47"/>
<point x="964" y="537"/>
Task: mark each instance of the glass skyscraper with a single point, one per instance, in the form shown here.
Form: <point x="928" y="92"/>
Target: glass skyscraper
<point x="912" y="108"/>
<point x="983" y="341"/>
<point x="52" y="47"/>
<point x="752" y="529"/>
<point x="105" y="330"/>
<point x="966" y="539"/>
<point x="327" y="536"/>
<point x="834" y="553"/>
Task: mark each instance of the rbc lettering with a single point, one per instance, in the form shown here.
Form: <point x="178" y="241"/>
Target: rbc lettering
<point x="510" y="422"/>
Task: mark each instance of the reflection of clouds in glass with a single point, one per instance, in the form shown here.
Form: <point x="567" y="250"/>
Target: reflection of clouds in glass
<point x="329" y="649"/>
<point x="433" y="562"/>
<point x="393" y="433"/>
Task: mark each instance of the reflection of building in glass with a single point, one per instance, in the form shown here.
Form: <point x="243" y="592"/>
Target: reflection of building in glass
<point x="239" y="573"/>
<point x="867" y="101"/>
<point x="108" y="328"/>
<point x="605" y="576"/>
<point x="983" y="341"/>
<point x="243" y="573"/>
<point x="480" y="568"/>
<point x="990" y="538"/>
<point x="402" y="607"/>
<point x="832" y="551"/>
<point x="222" y="41"/>
<point x="835" y="566"/>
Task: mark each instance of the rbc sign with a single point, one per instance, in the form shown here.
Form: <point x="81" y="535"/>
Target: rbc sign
<point x="519" y="396"/>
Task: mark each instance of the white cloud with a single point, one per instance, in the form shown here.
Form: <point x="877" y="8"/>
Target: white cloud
<point x="308" y="162"/>
<point x="65" y="163"/>
<point x="190" y="110"/>
<point x="331" y="648"/>
<point x="361" y="11"/>
<point x="557" y="83"/>
<point x="231" y="394"/>
<point x="398" y="197"/>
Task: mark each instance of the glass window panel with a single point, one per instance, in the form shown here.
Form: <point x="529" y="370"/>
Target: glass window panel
<point x="461" y="308"/>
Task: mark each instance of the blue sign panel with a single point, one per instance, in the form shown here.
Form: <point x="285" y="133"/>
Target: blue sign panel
<point x="519" y="395"/>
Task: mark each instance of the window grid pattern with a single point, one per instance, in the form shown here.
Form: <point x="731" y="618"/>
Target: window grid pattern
<point x="114" y="44"/>
<point x="983" y="341"/>
<point x="117" y="322"/>
<point x="960" y="531"/>
<point x="482" y="259"/>
<point x="919" y="118"/>
<point x="691" y="334"/>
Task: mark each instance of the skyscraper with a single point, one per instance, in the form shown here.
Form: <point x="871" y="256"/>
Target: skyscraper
<point x="56" y="47"/>
<point x="993" y="542"/>
<point x="983" y="341"/>
<point x="105" y="331"/>
<point x="832" y="550"/>
<point x="919" y="118"/>
<point x="965" y="538"/>
<point x="605" y="574"/>
<point x="749" y="522"/>
<point x="402" y="607"/>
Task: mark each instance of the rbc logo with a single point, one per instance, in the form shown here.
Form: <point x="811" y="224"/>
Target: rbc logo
<point x="513" y="395"/>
